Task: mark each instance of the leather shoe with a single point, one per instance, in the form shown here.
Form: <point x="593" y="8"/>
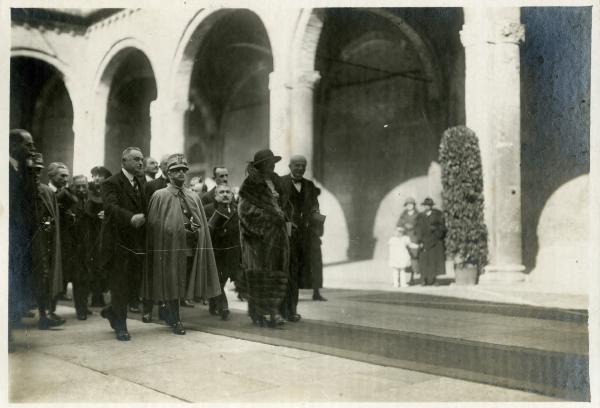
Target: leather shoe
<point x="317" y="296"/>
<point x="123" y="335"/>
<point x="147" y="317"/>
<point x="186" y="303"/>
<point x="107" y="314"/>
<point x="178" y="328"/>
<point x="81" y="316"/>
<point x="46" y="322"/>
<point x="56" y="317"/>
<point x="294" y="318"/>
<point x="276" y="321"/>
<point x="225" y="314"/>
<point x="212" y="309"/>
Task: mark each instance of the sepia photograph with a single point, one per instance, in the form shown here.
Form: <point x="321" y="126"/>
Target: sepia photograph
<point x="299" y="202"/>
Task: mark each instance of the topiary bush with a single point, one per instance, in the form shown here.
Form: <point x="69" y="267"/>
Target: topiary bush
<point x="462" y="195"/>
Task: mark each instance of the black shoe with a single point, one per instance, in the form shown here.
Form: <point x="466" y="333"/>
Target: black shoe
<point x="123" y="335"/>
<point x="81" y="316"/>
<point x="46" y="322"/>
<point x="147" y="317"/>
<point x="212" y="309"/>
<point x="276" y="321"/>
<point x="178" y="328"/>
<point x="186" y="303"/>
<point x="56" y="317"/>
<point x="165" y="314"/>
<point x="294" y="318"/>
<point x="134" y="309"/>
<point x="108" y="314"/>
<point x="225" y="314"/>
<point x="317" y="296"/>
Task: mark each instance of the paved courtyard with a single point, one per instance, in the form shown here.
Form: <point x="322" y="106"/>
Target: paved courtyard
<point x="81" y="362"/>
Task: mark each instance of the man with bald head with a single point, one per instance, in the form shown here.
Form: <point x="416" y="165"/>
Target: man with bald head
<point x="160" y="182"/>
<point x="150" y="168"/>
<point x="125" y="208"/>
<point x="305" y="257"/>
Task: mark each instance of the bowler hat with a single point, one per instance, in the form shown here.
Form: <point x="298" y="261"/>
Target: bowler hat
<point x="428" y="201"/>
<point x="410" y="200"/>
<point x="177" y="161"/>
<point x="265" y="154"/>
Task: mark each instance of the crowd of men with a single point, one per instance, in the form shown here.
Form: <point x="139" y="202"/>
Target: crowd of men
<point x="144" y="235"/>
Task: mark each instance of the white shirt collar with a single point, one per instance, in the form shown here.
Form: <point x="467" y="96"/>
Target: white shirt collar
<point x="129" y="176"/>
<point x="52" y="187"/>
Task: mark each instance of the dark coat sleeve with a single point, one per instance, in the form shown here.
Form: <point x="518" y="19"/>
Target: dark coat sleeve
<point x="111" y="192"/>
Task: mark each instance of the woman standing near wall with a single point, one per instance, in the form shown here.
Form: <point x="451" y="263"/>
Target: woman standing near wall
<point x="408" y="222"/>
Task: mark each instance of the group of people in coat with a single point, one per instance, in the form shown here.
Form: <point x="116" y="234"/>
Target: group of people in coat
<point x="158" y="241"/>
<point x="418" y="246"/>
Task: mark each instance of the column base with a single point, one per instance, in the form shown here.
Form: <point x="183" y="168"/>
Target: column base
<point x="503" y="273"/>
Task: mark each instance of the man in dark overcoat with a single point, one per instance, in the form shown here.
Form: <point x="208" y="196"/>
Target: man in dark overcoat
<point x="81" y="247"/>
<point x="220" y="176"/>
<point x="223" y="222"/>
<point x="94" y="208"/>
<point x="304" y="242"/>
<point x="20" y="223"/>
<point x="431" y="231"/>
<point x="159" y="182"/>
<point x="46" y="248"/>
<point x="125" y="211"/>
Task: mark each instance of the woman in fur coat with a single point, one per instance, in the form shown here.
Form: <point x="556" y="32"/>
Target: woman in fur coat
<point x="264" y="240"/>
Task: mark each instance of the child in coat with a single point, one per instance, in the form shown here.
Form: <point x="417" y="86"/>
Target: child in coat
<point x="399" y="257"/>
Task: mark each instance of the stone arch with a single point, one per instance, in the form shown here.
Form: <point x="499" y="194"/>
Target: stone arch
<point x="41" y="102"/>
<point x="383" y="28"/>
<point x="193" y="101"/>
<point x="187" y="48"/>
<point x="59" y="65"/>
<point x="309" y="29"/>
<point x="106" y="74"/>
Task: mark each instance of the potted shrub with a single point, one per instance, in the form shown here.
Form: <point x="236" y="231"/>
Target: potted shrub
<point x="462" y="194"/>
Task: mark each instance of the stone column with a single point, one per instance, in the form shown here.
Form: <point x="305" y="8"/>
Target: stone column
<point x="491" y="39"/>
<point x="279" y="123"/>
<point x="167" y="131"/>
<point x="302" y="140"/>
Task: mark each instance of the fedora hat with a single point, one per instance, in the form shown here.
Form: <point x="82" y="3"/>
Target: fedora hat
<point x="428" y="201"/>
<point x="263" y="155"/>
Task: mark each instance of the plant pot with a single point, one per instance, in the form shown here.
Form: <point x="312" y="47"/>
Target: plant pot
<point x="465" y="275"/>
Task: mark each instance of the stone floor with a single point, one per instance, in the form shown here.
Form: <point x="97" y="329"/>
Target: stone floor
<point x="81" y="362"/>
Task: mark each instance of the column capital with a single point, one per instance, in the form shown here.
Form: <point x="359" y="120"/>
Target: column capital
<point x="498" y="32"/>
<point x="509" y="32"/>
<point x="306" y="79"/>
